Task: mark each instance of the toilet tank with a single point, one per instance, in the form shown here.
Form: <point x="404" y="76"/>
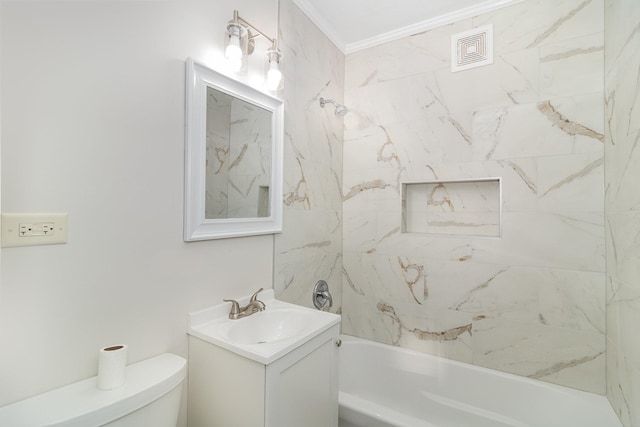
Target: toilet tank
<point x="150" y="396"/>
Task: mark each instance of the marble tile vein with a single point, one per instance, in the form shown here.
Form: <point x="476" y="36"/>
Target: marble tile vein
<point x="446" y="335"/>
<point x="570" y="53"/>
<point x="580" y="174"/>
<point x="321" y="267"/>
<point x="248" y="189"/>
<point x="369" y="78"/>
<point x="588" y="318"/>
<point x="239" y="121"/>
<point x="433" y="171"/>
<point x="460" y="130"/>
<point x="496" y="132"/>
<point x="299" y="195"/>
<point x="442" y="200"/>
<point x="296" y="151"/>
<point x="542" y="319"/>
<point x="590" y="226"/>
<point x="311" y="245"/>
<point x="388" y="152"/>
<point x="222" y="154"/>
<point x="557" y="24"/>
<point x="564" y="365"/>
<point x="369" y="185"/>
<point x="629" y="158"/>
<point x="512" y="94"/>
<point x="469" y="294"/>
<point x="338" y="180"/>
<point x="626" y="403"/>
<point x="289" y="282"/>
<point x="389" y="311"/>
<point x="570" y="127"/>
<point x="412" y="275"/>
<point x="610" y="105"/>
<point x="612" y="238"/>
<point x="627" y="42"/>
<point x="238" y="159"/>
<point x="522" y="174"/>
<point x="451" y="334"/>
<point x="389" y="234"/>
<point x="352" y="285"/>
<point x="435" y="99"/>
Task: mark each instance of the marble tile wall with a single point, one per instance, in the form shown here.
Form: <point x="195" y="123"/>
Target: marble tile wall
<point x="249" y="159"/>
<point x="238" y="166"/>
<point x="216" y="204"/>
<point x="310" y="247"/>
<point x="622" y="195"/>
<point x="532" y="302"/>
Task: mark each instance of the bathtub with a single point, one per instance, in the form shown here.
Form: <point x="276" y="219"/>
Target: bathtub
<point x="386" y="386"/>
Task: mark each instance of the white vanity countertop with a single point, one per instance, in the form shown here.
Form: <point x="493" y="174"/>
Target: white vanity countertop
<point x="293" y="325"/>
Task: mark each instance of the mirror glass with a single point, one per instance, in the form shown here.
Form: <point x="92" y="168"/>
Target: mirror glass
<point x="238" y="171"/>
<point x="233" y="158"/>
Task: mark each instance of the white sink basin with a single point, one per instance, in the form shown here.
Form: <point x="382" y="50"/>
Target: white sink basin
<point x="268" y="326"/>
<point x="265" y="336"/>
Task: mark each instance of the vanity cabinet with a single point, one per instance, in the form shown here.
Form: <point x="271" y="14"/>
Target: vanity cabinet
<point x="299" y="389"/>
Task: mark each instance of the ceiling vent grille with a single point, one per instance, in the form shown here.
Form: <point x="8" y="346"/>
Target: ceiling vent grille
<point x="471" y="49"/>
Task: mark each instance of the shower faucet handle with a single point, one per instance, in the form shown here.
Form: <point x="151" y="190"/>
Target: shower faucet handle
<point x="321" y="294"/>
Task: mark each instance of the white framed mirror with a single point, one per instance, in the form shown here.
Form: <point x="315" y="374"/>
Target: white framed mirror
<point x="233" y="158"/>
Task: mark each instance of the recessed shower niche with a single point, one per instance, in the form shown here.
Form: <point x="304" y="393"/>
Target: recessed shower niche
<point x="469" y="207"/>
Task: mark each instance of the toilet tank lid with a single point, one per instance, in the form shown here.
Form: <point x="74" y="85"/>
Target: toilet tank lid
<point x="82" y="405"/>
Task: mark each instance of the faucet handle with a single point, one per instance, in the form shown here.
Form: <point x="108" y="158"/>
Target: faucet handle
<point x="321" y="294"/>
<point x="235" y="307"/>
<point x="254" y="297"/>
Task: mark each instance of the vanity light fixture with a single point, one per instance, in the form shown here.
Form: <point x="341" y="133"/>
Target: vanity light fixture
<point x="233" y="51"/>
<point x="273" y="74"/>
<point x="240" y="39"/>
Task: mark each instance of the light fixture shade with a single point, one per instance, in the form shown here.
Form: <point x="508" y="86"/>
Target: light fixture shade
<point x="235" y="49"/>
<point x="274" y="80"/>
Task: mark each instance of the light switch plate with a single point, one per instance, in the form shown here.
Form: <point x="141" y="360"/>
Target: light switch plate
<point x="30" y="229"/>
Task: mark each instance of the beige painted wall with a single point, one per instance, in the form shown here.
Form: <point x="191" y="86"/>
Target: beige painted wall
<point x="93" y="97"/>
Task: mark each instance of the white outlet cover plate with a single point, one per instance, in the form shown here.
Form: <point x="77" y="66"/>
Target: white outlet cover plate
<point x="11" y="236"/>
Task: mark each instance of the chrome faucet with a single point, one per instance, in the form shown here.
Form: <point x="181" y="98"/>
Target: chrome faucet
<point x="254" y="306"/>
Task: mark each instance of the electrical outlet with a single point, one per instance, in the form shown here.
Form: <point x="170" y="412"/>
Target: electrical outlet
<point x="37" y="229"/>
<point x="33" y="229"/>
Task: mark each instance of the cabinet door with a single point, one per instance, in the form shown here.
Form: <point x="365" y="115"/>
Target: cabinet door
<point x="224" y="389"/>
<point x="303" y="390"/>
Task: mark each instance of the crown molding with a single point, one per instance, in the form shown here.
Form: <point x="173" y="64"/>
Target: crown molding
<point x="321" y="23"/>
<point x="435" y="22"/>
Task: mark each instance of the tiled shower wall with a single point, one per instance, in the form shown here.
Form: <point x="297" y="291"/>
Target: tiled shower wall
<point x="310" y="247"/>
<point x="533" y="301"/>
<point x="622" y="68"/>
<point x="237" y="171"/>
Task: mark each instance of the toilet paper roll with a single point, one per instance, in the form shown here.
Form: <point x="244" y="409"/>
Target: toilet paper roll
<point x="112" y="364"/>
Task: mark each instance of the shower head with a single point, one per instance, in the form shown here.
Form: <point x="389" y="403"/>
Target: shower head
<point x="340" y="111"/>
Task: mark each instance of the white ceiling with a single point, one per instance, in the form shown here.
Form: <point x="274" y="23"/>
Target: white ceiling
<point x="357" y="24"/>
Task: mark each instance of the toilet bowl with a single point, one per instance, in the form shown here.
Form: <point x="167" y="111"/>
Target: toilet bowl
<point x="150" y="397"/>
